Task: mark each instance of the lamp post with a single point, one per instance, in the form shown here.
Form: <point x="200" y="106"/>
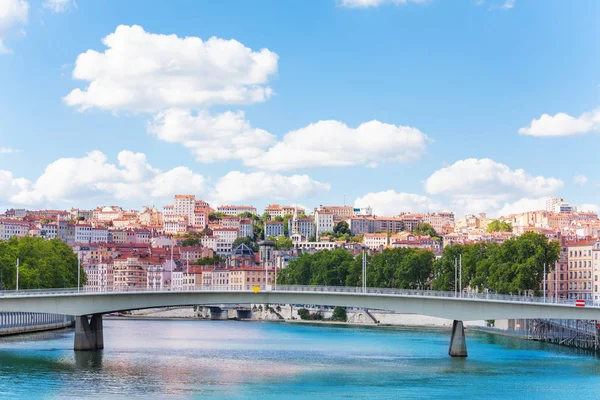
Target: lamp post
<point x="78" y="269"/>
<point x="364" y="270"/>
<point x="17" y="274"/>
<point x="460" y="273"/>
<point x="544" y="282"/>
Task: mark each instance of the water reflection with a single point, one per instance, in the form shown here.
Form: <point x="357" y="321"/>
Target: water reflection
<point x="219" y="359"/>
<point x="88" y="359"/>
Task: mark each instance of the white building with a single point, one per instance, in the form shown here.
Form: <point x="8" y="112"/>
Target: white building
<point x="185" y="205"/>
<point x="375" y="240"/>
<point x="225" y="238"/>
<point x="48" y="231"/>
<point x="209" y="242"/>
<point x="246" y="229"/>
<point x="83" y="233"/>
<point x="323" y="222"/>
<point x="552" y="202"/>
<point x="236" y="210"/>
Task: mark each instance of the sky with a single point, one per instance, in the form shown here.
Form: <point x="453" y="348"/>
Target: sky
<point x="402" y="105"/>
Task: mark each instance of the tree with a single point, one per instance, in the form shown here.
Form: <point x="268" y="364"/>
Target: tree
<point x="499" y="226"/>
<point x="244" y="240"/>
<point x="209" y="260"/>
<point x="215" y="216"/>
<point x="286" y="218"/>
<point x="424" y="229"/>
<point x="341" y="228"/>
<point x="339" y="314"/>
<point x="266" y="217"/>
<point x="42" y="263"/>
<point x="282" y="242"/>
<point x="516" y="266"/>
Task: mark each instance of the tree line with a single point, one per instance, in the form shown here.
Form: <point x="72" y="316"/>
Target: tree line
<point x="513" y="267"/>
<point x="43" y="264"/>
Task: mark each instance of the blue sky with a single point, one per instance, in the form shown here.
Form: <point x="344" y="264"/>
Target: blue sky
<point x="463" y="105"/>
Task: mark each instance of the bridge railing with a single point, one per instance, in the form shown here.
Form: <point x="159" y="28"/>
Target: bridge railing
<point x="303" y="288"/>
<point x="428" y="293"/>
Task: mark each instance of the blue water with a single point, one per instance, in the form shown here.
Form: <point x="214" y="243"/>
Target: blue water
<point x="155" y="359"/>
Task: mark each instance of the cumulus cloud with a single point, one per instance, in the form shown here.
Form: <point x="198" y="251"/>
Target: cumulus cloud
<point x="508" y="4"/>
<point x="522" y="205"/>
<point x="563" y="124"/>
<point x="211" y="137"/>
<point x="59" y="6"/>
<point x="374" y="3"/>
<point x="237" y="187"/>
<point x="334" y="144"/>
<point x="69" y="180"/>
<point x="145" y="72"/>
<point x="580" y="179"/>
<point x="589" y="207"/>
<point x="392" y="203"/>
<point x="483" y="184"/>
<point x="12" y="13"/>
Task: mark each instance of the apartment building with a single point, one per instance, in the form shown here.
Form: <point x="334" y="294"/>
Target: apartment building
<point x="323" y="222"/>
<point x="273" y="228"/>
<point x="580" y="269"/>
<point x="375" y="240"/>
<point x="236" y="210"/>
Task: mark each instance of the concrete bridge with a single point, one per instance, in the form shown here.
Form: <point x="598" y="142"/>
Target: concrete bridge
<point x="88" y="307"/>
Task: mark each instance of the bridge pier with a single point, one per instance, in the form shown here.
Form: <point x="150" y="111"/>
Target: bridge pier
<point x="217" y="313"/>
<point x="243" y="314"/>
<point x="458" y="343"/>
<point x="88" y="333"/>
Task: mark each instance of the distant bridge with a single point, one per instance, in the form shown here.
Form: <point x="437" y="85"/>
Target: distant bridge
<point x="469" y="307"/>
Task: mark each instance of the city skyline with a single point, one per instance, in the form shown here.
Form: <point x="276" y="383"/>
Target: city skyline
<point x="388" y="104"/>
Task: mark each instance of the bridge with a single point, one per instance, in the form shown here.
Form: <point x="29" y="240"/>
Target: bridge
<point x="88" y="307"/>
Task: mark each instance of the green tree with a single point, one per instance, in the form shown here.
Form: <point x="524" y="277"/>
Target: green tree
<point x="499" y="226"/>
<point x="282" y="242"/>
<point x="215" y="216"/>
<point x="42" y="263"/>
<point x="339" y="314"/>
<point x="424" y="229"/>
<point x="341" y="228"/>
<point x="286" y="218"/>
<point x="210" y="260"/>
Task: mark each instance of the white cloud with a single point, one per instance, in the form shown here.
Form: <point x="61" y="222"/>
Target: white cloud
<point x="392" y="203"/>
<point x="7" y="150"/>
<point x="334" y="144"/>
<point x="145" y="72"/>
<point x="211" y="137"/>
<point x="59" y="6"/>
<point x="589" y="207"/>
<point x="522" y="205"/>
<point x="70" y="180"/>
<point x="238" y="187"/>
<point x="484" y="185"/>
<point x="580" y="179"/>
<point x="563" y="124"/>
<point x="12" y="13"/>
<point x="375" y="3"/>
<point x="508" y="4"/>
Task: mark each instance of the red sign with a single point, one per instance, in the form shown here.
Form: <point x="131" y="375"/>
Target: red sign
<point x="580" y="303"/>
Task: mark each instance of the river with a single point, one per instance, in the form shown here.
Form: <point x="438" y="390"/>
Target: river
<point x="181" y="359"/>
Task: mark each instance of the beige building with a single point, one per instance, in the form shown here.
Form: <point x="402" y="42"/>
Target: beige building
<point x="247" y="278"/>
<point x="580" y="269"/>
<point x="236" y="210"/>
<point x="375" y="240"/>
